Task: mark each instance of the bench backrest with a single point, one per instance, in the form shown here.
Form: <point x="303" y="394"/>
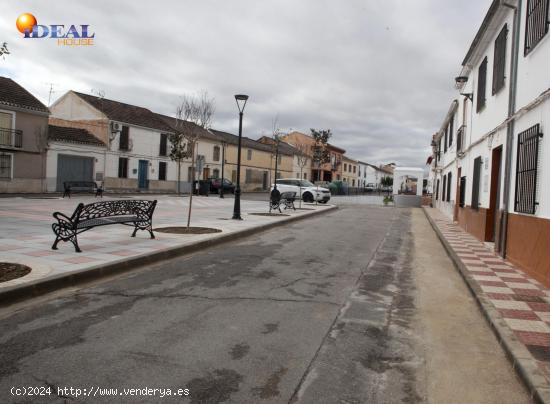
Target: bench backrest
<point x="80" y="184"/>
<point x="130" y="207"/>
<point x="288" y="195"/>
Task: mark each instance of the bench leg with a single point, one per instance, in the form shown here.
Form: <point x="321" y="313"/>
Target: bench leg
<point x="54" y="245"/>
<point x="148" y="227"/>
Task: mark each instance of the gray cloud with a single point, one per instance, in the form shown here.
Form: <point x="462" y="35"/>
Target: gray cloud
<point x="378" y="73"/>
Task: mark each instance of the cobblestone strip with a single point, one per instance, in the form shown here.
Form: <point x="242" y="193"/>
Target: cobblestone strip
<point x="516" y="305"/>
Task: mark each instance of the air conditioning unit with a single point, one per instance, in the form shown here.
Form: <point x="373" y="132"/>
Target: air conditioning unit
<point x="115" y="127"/>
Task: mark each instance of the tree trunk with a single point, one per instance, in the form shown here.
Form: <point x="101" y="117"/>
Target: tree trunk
<point x="192" y="186"/>
<point x="179" y="176"/>
<point x="301" y="169"/>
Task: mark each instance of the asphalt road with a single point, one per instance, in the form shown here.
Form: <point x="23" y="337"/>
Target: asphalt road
<point x="319" y="311"/>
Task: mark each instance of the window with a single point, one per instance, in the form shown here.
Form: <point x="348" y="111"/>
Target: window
<point x="6" y="166"/>
<point x="248" y="176"/>
<point x="163" y="151"/>
<point x="526" y="170"/>
<point x="446" y="140"/>
<point x="451" y="130"/>
<point x="449" y="182"/>
<point x="481" y="85"/>
<point x="124" y="141"/>
<point x="122" y="167"/>
<point x="354" y="169"/>
<point x="216" y="156"/>
<point x="249" y="154"/>
<point x="345" y="167"/>
<point x="462" y="191"/>
<point x="536" y="26"/>
<point x="437" y="190"/>
<point x="162" y="171"/>
<point x="352" y="183"/>
<point x="475" y="183"/>
<point x="216" y="173"/>
<point x="499" y="64"/>
<point x="444" y="188"/>
<point x="305" y="176"/>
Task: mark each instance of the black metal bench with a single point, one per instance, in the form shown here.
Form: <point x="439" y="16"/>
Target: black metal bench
<point x="82" y="186"/>
<point x="277" y="199"/>
<point x="132" y="212"/>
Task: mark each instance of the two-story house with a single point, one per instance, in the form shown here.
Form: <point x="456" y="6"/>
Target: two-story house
<point x="349" y="171"/>
<point x="23" y="139"/>
<point x="257" y="161"/>
<point x="330" y="171"/>
<point x="490" y="170"/>
<point x="136" y="156"/>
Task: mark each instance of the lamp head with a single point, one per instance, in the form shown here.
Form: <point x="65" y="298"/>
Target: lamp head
<point x="241" y="101"/>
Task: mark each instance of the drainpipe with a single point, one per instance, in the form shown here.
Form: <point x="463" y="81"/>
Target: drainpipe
<point x="510" y="128"/>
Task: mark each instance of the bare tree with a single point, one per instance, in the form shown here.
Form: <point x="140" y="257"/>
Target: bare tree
<point x="4" y="50"/>
<point x="302" y="158"/>
<point x="193" y="115"/>
<point x="320" y="153"/>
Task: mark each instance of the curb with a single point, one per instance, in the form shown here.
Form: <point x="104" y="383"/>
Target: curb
<point x="40" y="287"/>
<point x="518" y="355"/>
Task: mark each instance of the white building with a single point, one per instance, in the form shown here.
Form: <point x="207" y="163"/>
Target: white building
<point x="135" y="151"/>
<point x="491" y="168"/>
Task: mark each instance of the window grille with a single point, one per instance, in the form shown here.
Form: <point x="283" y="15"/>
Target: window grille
<point x="526" y="170"/>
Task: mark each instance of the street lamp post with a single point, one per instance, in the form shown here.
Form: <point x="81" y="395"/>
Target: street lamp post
<point x="241" y="103"/>
<point x="223" y="165"/>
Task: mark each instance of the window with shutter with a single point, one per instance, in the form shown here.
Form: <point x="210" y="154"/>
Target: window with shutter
<point x="462" y="191"/>
<point x="163" y="151"/>
<point x="437" y="190"/>
<point x="444" y="188"/>
<point x="451" y="129"/>
<point x="499" y="64"/>
<point x="162" y="171"/>
<point x="122" y="167"/>
<point x="449" y="182"/>
<point x="475" y="183"/>
<point x="481" y="85"/>
<point x="124" y="138"/>
<point x="216" y="156"/>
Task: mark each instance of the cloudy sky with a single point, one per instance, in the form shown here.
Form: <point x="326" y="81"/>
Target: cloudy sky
<point x="378" y="73"/>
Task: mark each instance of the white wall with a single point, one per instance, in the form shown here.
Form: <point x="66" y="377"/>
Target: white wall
<point x="73" y="108"/>
<point x="57" y="148"/>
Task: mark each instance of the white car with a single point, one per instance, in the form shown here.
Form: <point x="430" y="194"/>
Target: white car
<point x="310" y="192"/>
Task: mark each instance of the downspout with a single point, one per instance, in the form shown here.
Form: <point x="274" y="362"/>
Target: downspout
<point x="511" y="125"/>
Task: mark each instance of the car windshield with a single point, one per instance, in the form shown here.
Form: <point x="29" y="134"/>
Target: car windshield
<point x="306" y="184"/>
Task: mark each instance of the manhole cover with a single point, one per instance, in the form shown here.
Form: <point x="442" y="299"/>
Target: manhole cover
<point x="268" y="214"/>
<point x="9" y="271"/>
<point x="187" y="230"/>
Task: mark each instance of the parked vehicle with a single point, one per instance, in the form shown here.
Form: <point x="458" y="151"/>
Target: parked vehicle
<point x="310" y="192"/>
<point x="215" y="185"/>
<point x="370" y="187"/>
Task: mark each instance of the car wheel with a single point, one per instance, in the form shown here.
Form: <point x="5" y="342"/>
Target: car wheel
<point x="323" y="201"/>
<point x="307" y="197"/>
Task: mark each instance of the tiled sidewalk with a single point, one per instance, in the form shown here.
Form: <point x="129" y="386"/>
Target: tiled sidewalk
<point x="523" y="303"/>
<point x="26" y="235"/>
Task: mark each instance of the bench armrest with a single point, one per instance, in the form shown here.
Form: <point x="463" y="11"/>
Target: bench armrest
<point x="64" y="220"/>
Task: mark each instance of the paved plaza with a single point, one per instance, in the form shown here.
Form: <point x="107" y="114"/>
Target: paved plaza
<point x="27" y="236"/>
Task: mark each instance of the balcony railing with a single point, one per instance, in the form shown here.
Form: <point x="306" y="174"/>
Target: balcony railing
<point x="11" y="137"/>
